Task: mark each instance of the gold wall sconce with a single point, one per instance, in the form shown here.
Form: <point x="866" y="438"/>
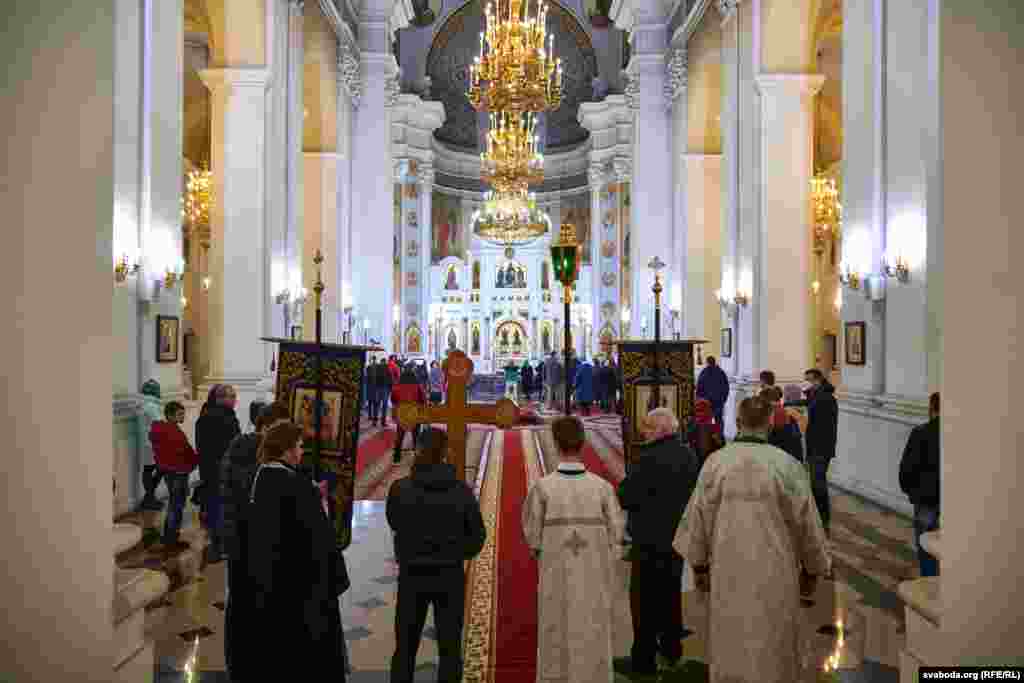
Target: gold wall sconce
<point x="123" y="270"/>
<point x="896" y="268"/>
<point x="741" y="299"/>
<point x="849" y="278"/>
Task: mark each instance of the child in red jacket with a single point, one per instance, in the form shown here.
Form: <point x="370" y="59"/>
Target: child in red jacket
<point x="176" y="459"/>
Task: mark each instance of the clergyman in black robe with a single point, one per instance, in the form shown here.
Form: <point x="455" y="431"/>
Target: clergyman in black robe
<point x="295" y="575"/>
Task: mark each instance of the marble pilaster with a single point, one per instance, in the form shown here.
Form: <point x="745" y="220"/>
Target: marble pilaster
<point x="320" y="220"/>
<point x="162" y="117"/>
<point x="781" y="297"/>
<point x="56" y="270"/>
<point x="425" y="185"/>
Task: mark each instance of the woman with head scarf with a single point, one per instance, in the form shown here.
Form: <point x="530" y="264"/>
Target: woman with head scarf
<point x="704" y="434"/>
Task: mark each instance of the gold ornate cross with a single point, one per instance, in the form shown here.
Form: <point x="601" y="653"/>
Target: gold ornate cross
<point x="457" y="413"/>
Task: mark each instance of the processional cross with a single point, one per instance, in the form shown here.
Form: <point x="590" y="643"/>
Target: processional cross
<point x="457" y="413"/>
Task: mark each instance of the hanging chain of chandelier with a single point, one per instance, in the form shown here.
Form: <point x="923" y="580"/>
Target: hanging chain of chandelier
<point x="514" y="72"/>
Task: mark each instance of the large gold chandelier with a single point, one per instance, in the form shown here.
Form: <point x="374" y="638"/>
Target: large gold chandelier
<point x="514" y="71"/>
<point x="511" y="160"/>
<point x="510" y="219"/>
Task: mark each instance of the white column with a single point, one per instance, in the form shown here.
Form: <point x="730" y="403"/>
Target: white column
<point x="426" y="213"/>
<point x="372" y="185"/>
<point x="288" y="271"/>
<point x="982" y="534"/>
<point x="56" y="272"/>
<point x="677" y="276"/>
<point x="651" y="219"/>
<point x="349" y="89"/>
<point x="730" y="177"/>
<point x="781" y="303"/>
<point x="595" y="175"/>
<point x="163" y="59"/>
<point x="238" y="99"/>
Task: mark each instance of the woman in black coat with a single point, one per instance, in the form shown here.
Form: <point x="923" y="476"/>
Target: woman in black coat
<point x="289" y="604"/>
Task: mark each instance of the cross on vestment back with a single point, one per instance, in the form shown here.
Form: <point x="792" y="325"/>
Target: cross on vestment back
<point x="457" y="413"/>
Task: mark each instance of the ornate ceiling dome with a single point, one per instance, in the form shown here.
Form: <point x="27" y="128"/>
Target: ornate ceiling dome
<point x="458" y="41"/>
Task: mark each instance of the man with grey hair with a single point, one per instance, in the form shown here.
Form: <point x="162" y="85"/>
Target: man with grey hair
<point x="750" y="526"/>
<point x="655" y="494"/>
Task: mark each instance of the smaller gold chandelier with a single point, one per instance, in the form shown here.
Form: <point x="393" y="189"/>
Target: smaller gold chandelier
<point x="511" y="161"/>
<point x="122" y="269"/>
<point x="197" y="202"/>
<point x="514" y="72"/>
<point x="510" y="219"/>
<point x="827" y="210"/>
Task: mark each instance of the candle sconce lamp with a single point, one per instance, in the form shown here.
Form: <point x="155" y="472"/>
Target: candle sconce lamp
<point x="896" y="268"/>
<point x="741" y="299"/>
<point x="123" y="269"/>
<point x="849" y="278"/>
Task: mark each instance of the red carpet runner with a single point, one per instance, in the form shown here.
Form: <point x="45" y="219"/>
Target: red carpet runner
<point x="515" y="621"/>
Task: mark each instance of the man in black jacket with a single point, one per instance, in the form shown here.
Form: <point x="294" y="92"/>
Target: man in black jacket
<point x="438" y="526"/>
<point x="655" y="494"/>
<point x="380" y="392"/>
<point x="216" y="428"/>
<point x="821" y="437"/>
<point x="919" y="479"/>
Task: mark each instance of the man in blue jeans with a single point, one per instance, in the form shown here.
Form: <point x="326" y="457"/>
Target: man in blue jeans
<point x="175" y="459"/>
<point x="919" y="479"/>
<point x="822" y="434"/>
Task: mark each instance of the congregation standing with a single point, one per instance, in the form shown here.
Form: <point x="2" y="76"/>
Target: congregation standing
<point x="268" y="518"/>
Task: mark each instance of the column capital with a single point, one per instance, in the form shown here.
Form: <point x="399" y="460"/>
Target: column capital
<point x="623" y="169"/>
<point x="392" y="88"/>
<point x="238" y="77"/>
<point x="296" y="6"/>
<point x="727" y="8"/>
<point x="676" y="74"/>
<point x="426" y="176"/>
<point x="791" y="85"/>
<point x="350" y="76"/>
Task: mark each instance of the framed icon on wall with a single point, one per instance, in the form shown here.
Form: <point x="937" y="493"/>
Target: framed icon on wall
<point x="726" y="342"/>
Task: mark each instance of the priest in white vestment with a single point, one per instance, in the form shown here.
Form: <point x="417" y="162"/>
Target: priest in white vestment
<point x="573" y="524"/>
<point x="754" y="538"/>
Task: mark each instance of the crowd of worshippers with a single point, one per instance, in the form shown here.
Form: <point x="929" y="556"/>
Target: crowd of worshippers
<point x="740" y="513"/>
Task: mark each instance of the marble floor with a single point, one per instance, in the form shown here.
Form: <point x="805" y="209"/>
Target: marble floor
<point x="871" y="547"/>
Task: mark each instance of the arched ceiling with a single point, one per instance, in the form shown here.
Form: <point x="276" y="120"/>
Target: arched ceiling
<point x="458" y="41"/>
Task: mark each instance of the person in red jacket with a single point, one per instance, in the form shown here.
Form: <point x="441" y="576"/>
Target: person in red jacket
<point x="176" y="459"/>
<point x="407" y="390"/>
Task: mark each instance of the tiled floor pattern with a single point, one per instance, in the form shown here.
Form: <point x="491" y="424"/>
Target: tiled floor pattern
<point x="871" y="548"/>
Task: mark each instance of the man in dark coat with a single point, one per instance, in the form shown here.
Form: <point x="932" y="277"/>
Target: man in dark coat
<point x="438" y="526"/>
<point x="821" y="437"/>
<point x="655" y="494"/>
<point x="381" y="384"/>
<point x="526" y="380"/>
<point x="919" y="479"/>
<point x="289" y="611"/>
<point x="584" y="386"/>
<point x="713" y="384"/>
<point x="236" y="475"/>
<point x="216" y="428"/>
